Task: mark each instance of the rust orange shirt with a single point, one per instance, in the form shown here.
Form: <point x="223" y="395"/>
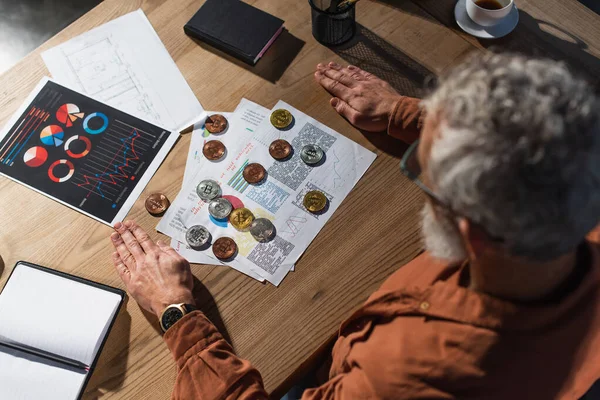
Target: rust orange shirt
<point x="425" y="335"/>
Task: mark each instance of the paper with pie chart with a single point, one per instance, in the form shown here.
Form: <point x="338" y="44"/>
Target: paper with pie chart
<point x="81" y="152"/>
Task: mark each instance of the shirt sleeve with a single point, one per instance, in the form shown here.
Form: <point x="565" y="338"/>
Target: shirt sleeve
<point x="347" y="386"/>
<point x="594" y="235"/>
<point x="207" y="366"/>
<point x="407" y="120"/>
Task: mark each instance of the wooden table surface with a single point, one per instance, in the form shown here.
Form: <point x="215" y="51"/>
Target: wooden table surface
<point x="376" y="229"/>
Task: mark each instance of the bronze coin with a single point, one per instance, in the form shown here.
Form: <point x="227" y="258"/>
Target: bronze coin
<point x="216" y="123"/>
<point x="224" y="248"/>
<point x="280" y="149"/>
<point x="213" y="150"/>
<point x="254" y="173"/>
<point x="157" y="203"/>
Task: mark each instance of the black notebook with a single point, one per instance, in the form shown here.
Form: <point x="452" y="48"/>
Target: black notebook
<point x="236" y="28"/>
<point x="52" y="330"/>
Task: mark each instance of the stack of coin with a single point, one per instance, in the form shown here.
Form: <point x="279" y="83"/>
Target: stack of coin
<point x="312" y="154"/>
<point x="280" y="149"/>
<point x="254" y="173"/>
<point x="241" y="219"/>
<point x="216" y="123"/>
<point x="281" y="118"/>
<point x="315" y="201"/>
<point x="262" y="230"/>
<point x="157" y="204"/>
<point x="214" y="150"/>
<point x="197" y="236"/>
<point x="220" y="208"/>
<point x="224" y="248"/>
<point x="208" y="190"/>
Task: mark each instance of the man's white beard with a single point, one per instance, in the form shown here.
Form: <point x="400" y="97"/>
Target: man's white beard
<point x="440" y="236"/>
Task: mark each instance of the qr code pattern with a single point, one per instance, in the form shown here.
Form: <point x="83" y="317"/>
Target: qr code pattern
<point x="294" y="171"/>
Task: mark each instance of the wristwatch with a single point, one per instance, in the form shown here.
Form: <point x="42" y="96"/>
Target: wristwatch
<point x="174" y="313"/>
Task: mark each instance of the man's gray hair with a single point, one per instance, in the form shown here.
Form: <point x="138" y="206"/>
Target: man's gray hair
<point x="519" y="151"/>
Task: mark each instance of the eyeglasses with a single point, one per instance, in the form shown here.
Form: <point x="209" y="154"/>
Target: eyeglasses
<point x="410" y="166"/>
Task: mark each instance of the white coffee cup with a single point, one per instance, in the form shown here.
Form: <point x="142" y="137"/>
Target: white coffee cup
<point x="486" y="17"/>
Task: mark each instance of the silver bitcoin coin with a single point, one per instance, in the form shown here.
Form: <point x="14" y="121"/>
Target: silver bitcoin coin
<point x="262" y="230"/>
<point x="220" y="208"/>
<point x="208" y="190"/>
<point x="311" y="154"/>
<point x="197" y="236"/>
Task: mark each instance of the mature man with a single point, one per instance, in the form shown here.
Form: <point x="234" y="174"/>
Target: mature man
<point x="504" y="304"/>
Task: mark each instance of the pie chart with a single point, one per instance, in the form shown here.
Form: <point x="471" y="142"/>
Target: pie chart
<point x="81" y="148"/>
<point x="35" y="156"/>
<point x="68" y="113"/>
<point x="66" y="171"/>
<point x="52" y="135"/>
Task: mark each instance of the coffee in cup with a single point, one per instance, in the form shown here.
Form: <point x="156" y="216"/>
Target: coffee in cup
<point x="489" y="4"/>
<point x="488" y="12"/>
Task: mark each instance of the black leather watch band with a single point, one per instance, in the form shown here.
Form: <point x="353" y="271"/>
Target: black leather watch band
<point x="189" y="308"/>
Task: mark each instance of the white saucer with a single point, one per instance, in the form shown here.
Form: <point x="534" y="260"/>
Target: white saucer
<point x="485" y="32"/>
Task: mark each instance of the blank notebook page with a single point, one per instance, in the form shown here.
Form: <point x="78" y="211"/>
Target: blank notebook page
<point x="27" y="377"/>
<point x="55" y="314"/>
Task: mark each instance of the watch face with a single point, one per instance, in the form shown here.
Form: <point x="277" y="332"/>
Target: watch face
<point x="170" y="316"/>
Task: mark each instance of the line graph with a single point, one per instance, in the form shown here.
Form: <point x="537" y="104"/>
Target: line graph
<point x="338" y="178"/>
<point x="114" y="161"/>
<point x="295" y="223"/>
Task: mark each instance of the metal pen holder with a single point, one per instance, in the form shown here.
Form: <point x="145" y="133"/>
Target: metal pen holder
<point x="332" y="28"/>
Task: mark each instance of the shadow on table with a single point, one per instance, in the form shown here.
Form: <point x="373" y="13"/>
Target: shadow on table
<point x="373" y="54"/>
<point x="539" y="38"/>
<point x="409" y="7"/>
<point x="593" y="5"/>
<point x="109" y="374"/>
<point x="206" y="302"/>
<point x="1" y="266"/>
<point x="274" y="62"/>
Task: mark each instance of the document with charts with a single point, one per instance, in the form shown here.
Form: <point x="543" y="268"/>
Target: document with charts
<point x="124" y="64"/>
<point x="80" y="152"/>
<point x="279" y="197"/>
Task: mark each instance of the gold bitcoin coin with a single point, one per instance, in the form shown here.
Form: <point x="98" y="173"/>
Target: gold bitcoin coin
<point x="281" y="118"/>
<point x="315" y="201"/>
<point x="241" y="219"/>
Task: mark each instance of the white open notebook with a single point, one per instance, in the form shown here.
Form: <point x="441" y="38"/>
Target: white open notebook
<point x="56" y="314"/>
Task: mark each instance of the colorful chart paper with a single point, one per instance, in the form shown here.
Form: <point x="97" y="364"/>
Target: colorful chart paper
<point x="81" y="152"/>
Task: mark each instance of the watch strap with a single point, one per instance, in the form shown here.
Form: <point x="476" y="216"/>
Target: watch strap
<point x="185" y="309"/>
<point x="189" y="308"/>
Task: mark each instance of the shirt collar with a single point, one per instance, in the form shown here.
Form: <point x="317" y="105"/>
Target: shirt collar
<point x="449" y="301"/>
<point x="446" y="299"/>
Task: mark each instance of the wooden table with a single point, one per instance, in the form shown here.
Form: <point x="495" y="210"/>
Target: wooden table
<point x="375" y="231"/>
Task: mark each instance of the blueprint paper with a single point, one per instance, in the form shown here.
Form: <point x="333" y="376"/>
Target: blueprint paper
<point x="124" y="64"/>
<point x="280" y="197"/>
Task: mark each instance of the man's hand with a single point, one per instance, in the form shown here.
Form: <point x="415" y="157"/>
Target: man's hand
<point x="155" y="275"/>
<point x="362" y="98"/>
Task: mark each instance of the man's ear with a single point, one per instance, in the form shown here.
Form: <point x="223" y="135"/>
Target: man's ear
<point x="476" y="240"/>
